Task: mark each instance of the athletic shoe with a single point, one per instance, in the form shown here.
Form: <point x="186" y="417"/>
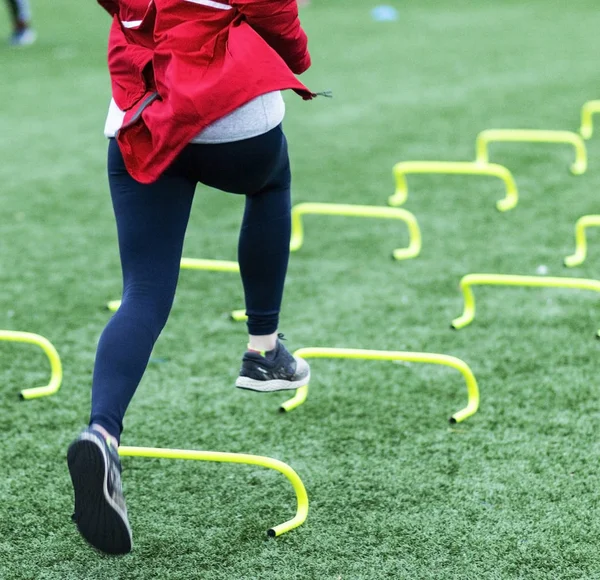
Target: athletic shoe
<point x="275" y="370"/>
<point x="100" y="512"/>
<point x="25" y="37"/>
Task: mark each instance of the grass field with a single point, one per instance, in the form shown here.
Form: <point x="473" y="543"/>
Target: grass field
<point x="395" y="491"/>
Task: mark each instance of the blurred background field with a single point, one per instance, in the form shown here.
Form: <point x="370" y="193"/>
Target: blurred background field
<point x="395" y="492"/>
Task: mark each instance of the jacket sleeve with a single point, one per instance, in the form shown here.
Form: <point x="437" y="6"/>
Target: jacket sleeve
<point x="111" y="6"/>
<point x="278" y="23"/>
<point x="127" y="64"/>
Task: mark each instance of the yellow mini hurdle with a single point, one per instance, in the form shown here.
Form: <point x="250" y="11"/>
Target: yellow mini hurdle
<point x="367" y="211"/>
<point x="404" y="168"/>
<point x="587" y="221"/>
<point x="588" y="111"/>
<point x="242" y="458"/>
<point x="532" y="136"/>
<point x="390" y="355"/>
<point x="193" y="264"/>
<point x="49" y="350"/>
<point x="471" y="280"/>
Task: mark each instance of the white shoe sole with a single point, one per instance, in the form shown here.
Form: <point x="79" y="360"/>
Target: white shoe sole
<point x="270" y="386"/>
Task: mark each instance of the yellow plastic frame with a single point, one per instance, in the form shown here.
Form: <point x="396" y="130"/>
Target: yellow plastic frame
<point x="390" y="355"/>
<point x="367" y="211"/>
<point x="588" y="111"/>
<point x="241" y="458"/>
<point x="488" y="136"/>
<point x="511" y="280"/>
<point x="238" y="315"/>
<point x="48" y="348"/>
<point x="580" y="254"/>
<point x="209" y="265"/>
<point x="404" y="168"/>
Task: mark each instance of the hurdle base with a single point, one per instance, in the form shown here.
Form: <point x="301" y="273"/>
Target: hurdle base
<point x="572" y="261"/>
<point x="504" y="205"/>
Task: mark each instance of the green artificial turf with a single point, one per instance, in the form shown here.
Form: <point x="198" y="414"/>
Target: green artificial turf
<point x="395" y="491"/>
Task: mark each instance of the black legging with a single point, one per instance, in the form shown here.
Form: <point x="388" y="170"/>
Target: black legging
<point x="151" y="224"/>
<point x="20" y="12"/>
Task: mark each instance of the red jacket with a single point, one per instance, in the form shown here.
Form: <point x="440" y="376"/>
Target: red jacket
<point x="177" y="66"/>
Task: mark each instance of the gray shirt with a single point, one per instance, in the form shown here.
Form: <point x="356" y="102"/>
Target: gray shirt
<point x="256" y="117"/>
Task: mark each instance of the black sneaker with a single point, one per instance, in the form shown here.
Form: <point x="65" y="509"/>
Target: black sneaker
<point x="100" y="512"/>
<point x="277" y="370"/>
